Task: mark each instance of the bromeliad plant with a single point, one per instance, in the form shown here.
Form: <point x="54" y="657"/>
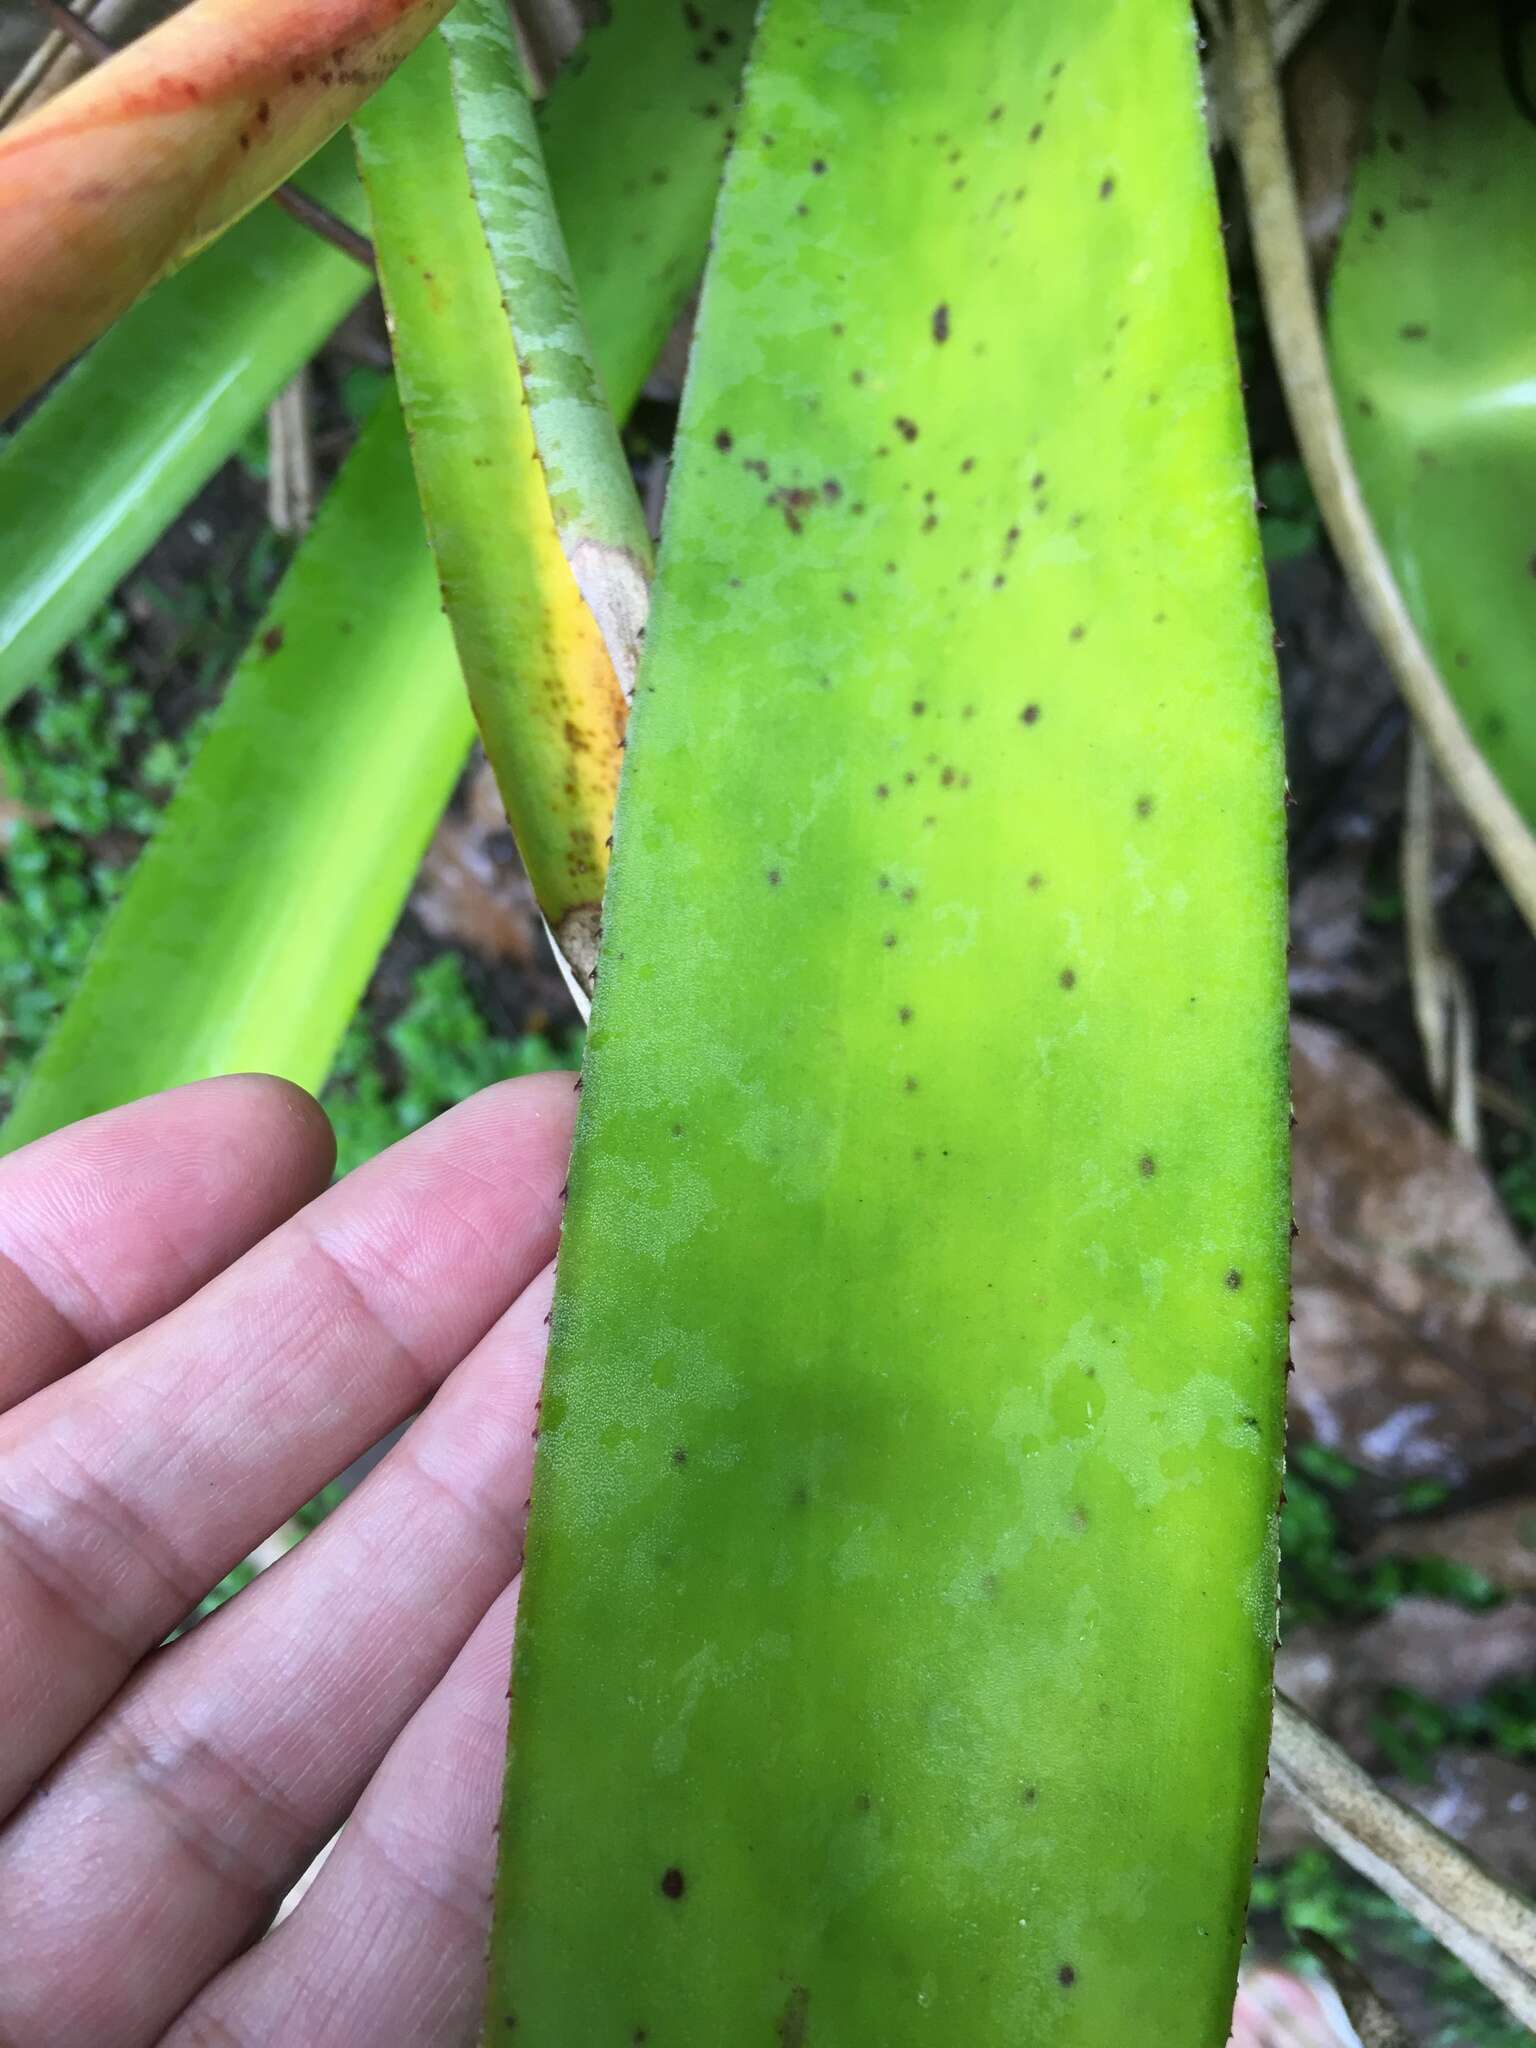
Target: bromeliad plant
<point x="894" y="1658"/>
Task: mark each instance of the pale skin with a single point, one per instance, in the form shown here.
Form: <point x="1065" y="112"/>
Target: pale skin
<point x="196" y="1332"/>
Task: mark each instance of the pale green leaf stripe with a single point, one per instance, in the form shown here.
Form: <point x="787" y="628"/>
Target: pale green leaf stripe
<point x="894" y="1655"/>
<point x="597" y="512"/>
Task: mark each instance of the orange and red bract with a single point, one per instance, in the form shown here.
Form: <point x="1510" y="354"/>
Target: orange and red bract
<point x="113" y="183"/>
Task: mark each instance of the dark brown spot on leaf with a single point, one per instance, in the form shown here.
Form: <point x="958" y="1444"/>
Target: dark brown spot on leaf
<point x="673" y="1883"/>
<point x="793" y="2027"/>
<point x="941" y="323"/>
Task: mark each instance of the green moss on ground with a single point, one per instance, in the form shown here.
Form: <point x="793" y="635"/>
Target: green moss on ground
<point x="437" y="1052"/>
<point x="1322" y="1577"/>
<point x="1315" y="1893"/>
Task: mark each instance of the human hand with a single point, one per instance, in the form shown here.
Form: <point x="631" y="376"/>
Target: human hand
<point x="194" y="1338"/>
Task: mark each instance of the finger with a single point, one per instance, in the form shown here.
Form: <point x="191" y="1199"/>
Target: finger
<point x="128" y="1490"/>
<point x="388" y="1944"/>
<point x="208" y="1784"/>
<point x="112" y="1222"/>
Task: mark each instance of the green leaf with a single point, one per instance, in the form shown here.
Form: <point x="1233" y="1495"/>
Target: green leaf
<point x="111" y="456"/>
<point x="591" y="494"/>
<point x="547" y="700"/>
<point x="1432" y="329"/>
<point x="254" y="917"/>
<point x="893" y="1661"/>
<point x="169" y="994"/>
<point x="547" y="599"/>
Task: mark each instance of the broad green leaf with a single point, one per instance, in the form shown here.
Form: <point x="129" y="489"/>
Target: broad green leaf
<point x="1432" y="328"/>
<point x="894" y="1655"/>
<point x="146" y="1014"/>
<point x="107" y="186"/>
<point x="255" y="915"/>
<point x="109" y="459"/>
<point x="547" y="695"/>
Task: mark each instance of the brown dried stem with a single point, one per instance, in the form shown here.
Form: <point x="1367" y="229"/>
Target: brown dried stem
<point x="1489" y="1928"/>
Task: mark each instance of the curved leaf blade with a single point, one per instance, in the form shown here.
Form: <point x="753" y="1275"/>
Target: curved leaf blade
<point x="547" y="693"/>
<point x="591" y="493"/>
<point x="1432" y="330"/>
<point x="254" y="917"/>
<point x="893" y="1660"/>
<point x="546" y="698"/>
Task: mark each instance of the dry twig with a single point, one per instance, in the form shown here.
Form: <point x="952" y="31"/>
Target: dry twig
<point x="1489" y="1928"/>
<point x="1442" y="999"/>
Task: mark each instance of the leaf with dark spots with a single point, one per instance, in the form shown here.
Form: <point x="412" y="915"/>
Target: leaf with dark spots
<point x="793" y="2026"/>
<point x="849" y="1338"/>
<point x="673" y="1883"/>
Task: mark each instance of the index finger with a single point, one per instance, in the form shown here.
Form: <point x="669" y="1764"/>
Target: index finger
<point x="111" y="1223"/>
